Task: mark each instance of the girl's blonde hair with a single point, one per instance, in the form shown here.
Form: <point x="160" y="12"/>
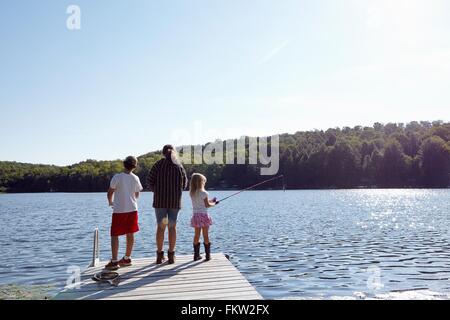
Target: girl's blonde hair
<point x="197" y="183"/>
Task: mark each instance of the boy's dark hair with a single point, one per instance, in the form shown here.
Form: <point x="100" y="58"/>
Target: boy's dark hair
<point x="130" y="163"/>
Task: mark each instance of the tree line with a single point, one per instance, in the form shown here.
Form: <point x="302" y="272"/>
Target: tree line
<point x="392" y="155"/>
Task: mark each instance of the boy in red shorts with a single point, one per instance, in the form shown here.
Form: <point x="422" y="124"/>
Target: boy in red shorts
<point x="122" y="196"/>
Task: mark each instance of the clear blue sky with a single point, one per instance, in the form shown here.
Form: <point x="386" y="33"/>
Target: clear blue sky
<point x="140" y="74"/>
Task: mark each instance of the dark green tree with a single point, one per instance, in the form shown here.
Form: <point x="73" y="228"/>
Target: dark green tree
<point x="435" y="162"/>
<point x="393" y="168"/>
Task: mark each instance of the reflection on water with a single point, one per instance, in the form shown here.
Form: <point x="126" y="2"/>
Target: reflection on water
<point x="293" y="244"/>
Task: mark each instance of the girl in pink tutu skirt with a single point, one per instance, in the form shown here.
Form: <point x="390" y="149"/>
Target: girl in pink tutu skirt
<point x="200" y="220"/>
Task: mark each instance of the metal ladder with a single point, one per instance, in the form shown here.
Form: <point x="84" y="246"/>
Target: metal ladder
<point x="95" y="251"/>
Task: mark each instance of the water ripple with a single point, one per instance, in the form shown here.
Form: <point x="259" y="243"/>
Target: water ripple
<point x="295" y="244"/>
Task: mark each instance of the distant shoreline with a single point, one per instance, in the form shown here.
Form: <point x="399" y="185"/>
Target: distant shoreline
<point x="231" y="190"/>
<point x="394" y="155"/>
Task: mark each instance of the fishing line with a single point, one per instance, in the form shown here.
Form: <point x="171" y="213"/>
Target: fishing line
<point x="255" y="185"/>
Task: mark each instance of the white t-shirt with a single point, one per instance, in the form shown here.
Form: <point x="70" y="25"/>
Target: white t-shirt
<point x="125" y="185"/>
<point x="198" y="203"/>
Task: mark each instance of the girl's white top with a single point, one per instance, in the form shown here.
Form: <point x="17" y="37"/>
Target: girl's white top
<point x="198" y="203"/>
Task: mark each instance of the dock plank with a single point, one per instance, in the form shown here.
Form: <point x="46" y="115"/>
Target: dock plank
<point x="184" y="280"/>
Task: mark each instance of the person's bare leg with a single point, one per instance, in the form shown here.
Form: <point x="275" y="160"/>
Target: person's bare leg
<point x="160" y="230"/>
<point x="130" y="243"/>
<point x="205" y="235"/>
<point x="114" y="247"/>
<point x="197" y="235"/>
<point x="172" y="236"/>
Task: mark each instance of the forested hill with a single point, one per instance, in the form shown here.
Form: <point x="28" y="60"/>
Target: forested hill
<point x="386" y="156"/>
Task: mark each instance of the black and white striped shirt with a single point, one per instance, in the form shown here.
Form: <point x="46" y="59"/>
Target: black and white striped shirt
<point x="167" y="181"/>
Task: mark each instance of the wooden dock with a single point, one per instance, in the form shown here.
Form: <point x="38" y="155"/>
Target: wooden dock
<point x="216" y="279"/>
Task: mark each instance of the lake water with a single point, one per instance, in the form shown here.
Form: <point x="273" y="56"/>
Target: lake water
<point x="289" y="245"/>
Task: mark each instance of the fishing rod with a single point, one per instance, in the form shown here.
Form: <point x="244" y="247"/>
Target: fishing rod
<point x="254" y="186"/>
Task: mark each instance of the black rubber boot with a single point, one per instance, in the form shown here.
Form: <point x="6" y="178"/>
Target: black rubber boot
<point x="197" y="255"/>
<point x="208" y="251"/>
<point x="160" y="257"/>
<point x="171" y="256"/>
